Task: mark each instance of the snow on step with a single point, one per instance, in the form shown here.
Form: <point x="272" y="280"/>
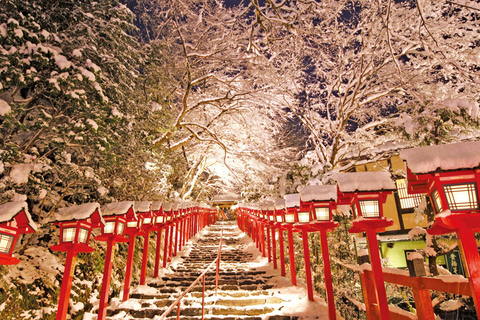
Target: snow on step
<point x="249" y="288"/>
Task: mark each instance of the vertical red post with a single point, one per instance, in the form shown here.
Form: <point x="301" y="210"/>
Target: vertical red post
<point x="176" y="239"/>
<point x="378" y="278"/>
<point x="468" y="246"/>
<point x="66" y="288"/>
<point x="262" y="239"/>
<point x="143" y="272"/>
<point x="274" y="248"/>
<point x="107" y="274"/>
<point x="170" y="245"/>
<point x="308" y="268"/>
<point x="291" y="251"/>
<point x="327" y="273"/>
<point x="282" y="251"/>
<point x="180" y="236"/>
<point x="269" y="247"/>
<point x="128" y="271"/>
<point x="156" y="270"/>
<point x="165" y="247"/>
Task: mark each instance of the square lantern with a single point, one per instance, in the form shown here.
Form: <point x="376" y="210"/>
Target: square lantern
<point x="292" y="205"/>
<point x="14" y="220"/>
<point x="144" y="212"/>
<point x="157" y="212"/>
<point x="270" y="211"/>
<point x="116" y="216"/>
<point x="321" y="200"/>
<point x="76" y="224"/>
<point x="280" y="210"/>
<point x="448" y="174"/>
<point x="167" y="212"/>
<point x="365" y="192"/>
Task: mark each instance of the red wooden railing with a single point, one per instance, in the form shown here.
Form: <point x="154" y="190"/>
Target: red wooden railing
<point x="215" y="262"/>
<point x="421" y="287"/>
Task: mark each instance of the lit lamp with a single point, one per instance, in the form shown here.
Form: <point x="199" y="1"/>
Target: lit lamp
<point x="292" y="205"/>
<point x="167" y="219"/>
<point x="366" y="192"/>
<point x="321" y="201"/>
<point x="14" y="221"/>
<point x="159" y="217"/>
<point x="115" y="217"/>
<point x="279" y="211"/>
<point x="144" y="213"/>
<point x="450" y="174"/>
<point x="76" y="224"/>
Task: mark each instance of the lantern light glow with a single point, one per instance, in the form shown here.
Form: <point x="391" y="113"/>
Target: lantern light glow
<point x="304" y="217"/>
<point x="322" y="213"/>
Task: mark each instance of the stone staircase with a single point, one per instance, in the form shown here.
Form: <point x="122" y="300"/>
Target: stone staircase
<point x="243" y="292"/>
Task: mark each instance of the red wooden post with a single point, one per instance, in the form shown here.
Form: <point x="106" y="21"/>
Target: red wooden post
<point x="128" y="271"/>
<point x="262" y="239"/>
<point x="282" y="251"/>
<point x="66" y="288"/>
<point x="308" y="268"/>
<point x="327" y="272"/>
<point x="274" y="248"/>
<point x="291" y="250"/>
<point x="423" y="301"/>
<point x="107" y="273"/>
<point x="165" y="247"/>
<point x="377" y="273"/>
<point x="143" y="272"/>
<point x="170" y="245"/>
<point x="269" y="247"/>
<point x="156" y="270"/>
<point x="468" y="246"/>
<point x="176" y="239"/>
<point x="369" y="296"/>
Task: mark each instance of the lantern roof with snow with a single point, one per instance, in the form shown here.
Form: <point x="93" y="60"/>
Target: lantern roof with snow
<point x="292" y="200"/>
<point x="119" y="208"/>
<point x="280" y="204"/>
<point x="350" y="182"/>
<point x="156" y="205"/>
<point x="439" y="158"/>
<point x="142" y="206"/>
<point x="319" y="193"/>
<point x="84" y="211"/>
<point x="167" y="206"/>
<point x="11" y="211"/>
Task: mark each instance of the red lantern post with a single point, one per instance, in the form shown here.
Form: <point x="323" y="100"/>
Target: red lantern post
<point x="366" y="192"/>
<point x="271" y="226"/>
<point x="144" y="212"/>
<point x="168" y="217"/>
<point x="450" y="175"/>
<point x="132" y="229"/>
<point x="76" y="224"/>
<point x="320" y="202"/>
<point x="14" y="221"/>
<point x="279" y="220"/>
<point x="115" y="215"/>
<point x="159" y="224"/>
<point x="292" y="204"/>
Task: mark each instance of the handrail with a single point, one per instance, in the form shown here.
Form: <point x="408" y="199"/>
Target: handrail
<point x="202" y="276"/>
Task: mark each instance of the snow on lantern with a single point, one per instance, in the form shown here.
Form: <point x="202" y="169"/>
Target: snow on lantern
<point x="14" y="221"/>
<point x="144" y="212"/>
<point x="76" y="224"/>
<point x="366" y="192"/>
<point x="115" y="216"/>
<point x="319" y="201"/>
<point x="449" y="174"/>
<point x="159" y="224"/>
<point x="280" y="218"/>
<point x="292" y="205"/>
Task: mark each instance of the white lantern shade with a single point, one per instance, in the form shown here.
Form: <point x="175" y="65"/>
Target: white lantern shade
<point x="461" y="196"/>
<point x="304" y="216"/>
<point x="147" y="220"/>
<point x="120" y="228"/>
<point x="6" y="242"/>
<point x="83" y="235"/>
<point x="132" y="224"/>
<point x="289" y="217"/>
<point x="322" y="213"/>
<point x="109" y="227"/>
<point x="369" y="208"/>
<point x="68" y="234"/>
